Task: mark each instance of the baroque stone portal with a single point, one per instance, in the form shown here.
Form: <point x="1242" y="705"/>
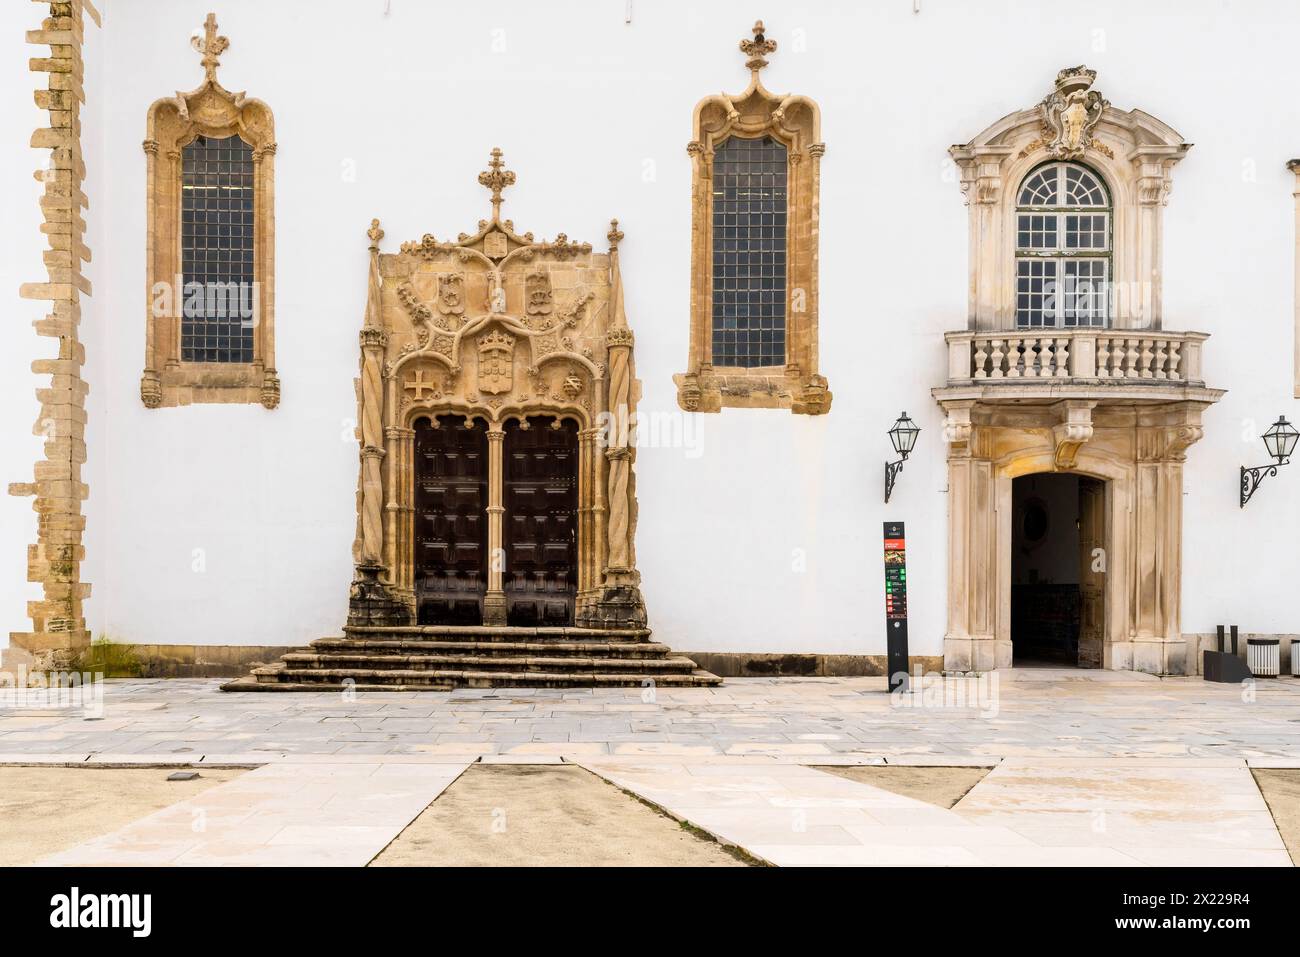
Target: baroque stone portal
<point x="500" y="329"/>
<point x="1118" y="398"/>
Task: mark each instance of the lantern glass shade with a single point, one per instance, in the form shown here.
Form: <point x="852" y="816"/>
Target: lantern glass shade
<point x="1280" y="439"/>
<point x="903" y="435"/>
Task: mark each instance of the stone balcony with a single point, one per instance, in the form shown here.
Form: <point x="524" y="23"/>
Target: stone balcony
<point x="1132" y="365"/>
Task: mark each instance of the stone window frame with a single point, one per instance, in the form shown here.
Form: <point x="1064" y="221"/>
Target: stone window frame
<point x="1132" y="152"/>
<point x="795" y="122"/>
<point x="173" y="123"/>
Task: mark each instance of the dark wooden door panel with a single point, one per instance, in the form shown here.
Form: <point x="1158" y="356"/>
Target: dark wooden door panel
<point x="541" y="501"/>
<point x="450" y="521"/>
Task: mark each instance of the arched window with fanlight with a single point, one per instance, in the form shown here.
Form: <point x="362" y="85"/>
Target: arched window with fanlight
<point x="1063" y="248"/>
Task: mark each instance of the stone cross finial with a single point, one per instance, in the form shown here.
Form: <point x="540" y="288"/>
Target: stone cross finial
<point x="374" y="233"/>
<point x="615" y="235"/>
<point x="756" y="48"/>
<point x="211" y="46"/>
<point x="496" y="178"/>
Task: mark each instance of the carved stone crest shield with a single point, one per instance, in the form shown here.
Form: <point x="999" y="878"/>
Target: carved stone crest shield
<point x="1071" y="112"/>
<point x="451" y="294"/>
<point x="496" y="353"/>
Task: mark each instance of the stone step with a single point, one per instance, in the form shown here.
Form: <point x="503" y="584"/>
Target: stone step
<point x="280" y="677"/>
<point x="453" y="662"/>
<point x="494" y="633"/>
<point x="525" y="649"/>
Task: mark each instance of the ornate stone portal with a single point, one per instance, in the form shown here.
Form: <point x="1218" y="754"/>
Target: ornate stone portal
<point x="496" y="326"/>
<point x="1121" y="402"/>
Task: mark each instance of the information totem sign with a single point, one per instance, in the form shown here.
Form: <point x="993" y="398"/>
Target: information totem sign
<point x="896" y="604"/>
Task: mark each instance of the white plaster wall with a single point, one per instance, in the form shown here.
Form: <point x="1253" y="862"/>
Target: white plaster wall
<point x="229" y="524"/>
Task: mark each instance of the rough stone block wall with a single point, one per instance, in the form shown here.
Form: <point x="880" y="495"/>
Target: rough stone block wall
<point x="54" y="561"/>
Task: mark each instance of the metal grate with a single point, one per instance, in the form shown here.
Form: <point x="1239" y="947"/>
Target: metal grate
<point x="750" y="208"/>
<point x="219" y="297"/>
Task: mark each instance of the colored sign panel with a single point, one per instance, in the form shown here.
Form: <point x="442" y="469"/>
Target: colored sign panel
<point x="896" y="604"/>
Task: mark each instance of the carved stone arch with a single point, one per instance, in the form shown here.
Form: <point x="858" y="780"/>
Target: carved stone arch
<point x="432" y="410"/>
<point x="580" y="417"/>
<point x="1132" y="151"/>
<point x="714" y="381"/>
<point x="171" y="377"/>
<point x="592" y="368"/>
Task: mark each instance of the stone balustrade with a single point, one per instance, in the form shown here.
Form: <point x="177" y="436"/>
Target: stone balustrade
<point x="1133" y="357"/>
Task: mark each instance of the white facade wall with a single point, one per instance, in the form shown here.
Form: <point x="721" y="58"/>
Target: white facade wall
<point x="225" y="524"/>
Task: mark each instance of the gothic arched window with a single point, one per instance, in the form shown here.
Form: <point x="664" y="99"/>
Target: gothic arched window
<point x="755" y="182"/>
<point x="210" y="331"/>
<point x="1063" y="248"/>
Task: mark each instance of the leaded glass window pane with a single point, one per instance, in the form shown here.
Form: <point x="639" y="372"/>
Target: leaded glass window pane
<point x="750" y="206"/>
<point x="217" y="250"/>
<point x="1062" y="249"/>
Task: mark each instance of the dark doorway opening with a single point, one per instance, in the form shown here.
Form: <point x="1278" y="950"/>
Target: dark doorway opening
<point x="450" y="520"/>
<point x="1057" y="569"/>
<point x="541" y="504"/>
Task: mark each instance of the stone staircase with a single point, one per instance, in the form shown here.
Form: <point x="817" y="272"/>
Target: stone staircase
<point x="442" y="657"/>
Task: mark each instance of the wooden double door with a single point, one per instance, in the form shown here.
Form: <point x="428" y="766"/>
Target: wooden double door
<point x="532" y="567"/>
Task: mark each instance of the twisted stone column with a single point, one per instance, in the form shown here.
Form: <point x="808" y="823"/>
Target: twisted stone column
<point x="619" y="454"/>
<point x="372" y="451"/>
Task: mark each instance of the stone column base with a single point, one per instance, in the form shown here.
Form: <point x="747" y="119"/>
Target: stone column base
<point x="370" y="603"/>
<point x="976" y="653"/>
<point x="494" y="609"/>
<point x="619" y="606"/>
<point x="1159" y="656"/>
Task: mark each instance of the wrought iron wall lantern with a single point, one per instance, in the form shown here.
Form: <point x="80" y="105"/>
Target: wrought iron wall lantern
<point x="903" y="436"/>
<point x="1280" y="441"/>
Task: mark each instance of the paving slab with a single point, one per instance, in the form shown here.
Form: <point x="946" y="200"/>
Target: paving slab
<point x="1167" y="814"/>
<point x="284" y="814"/>
<point x="790" y="815"/>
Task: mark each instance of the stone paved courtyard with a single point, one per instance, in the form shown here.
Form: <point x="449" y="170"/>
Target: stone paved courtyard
<point x="1089" y="767"/>
<point x="1041" y="713"/>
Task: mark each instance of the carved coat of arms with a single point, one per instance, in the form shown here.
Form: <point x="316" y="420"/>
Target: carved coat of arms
<point x="540" y="299"/>
<point x="1071" y="112"/>
<point x="496" y="355"/>
<point x="451" y="294"/>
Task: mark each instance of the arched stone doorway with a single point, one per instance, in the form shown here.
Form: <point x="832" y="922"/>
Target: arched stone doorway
<point x="1137" y="452"/>
<point x="523" y="512"/>
<point x="1059" y="561"/>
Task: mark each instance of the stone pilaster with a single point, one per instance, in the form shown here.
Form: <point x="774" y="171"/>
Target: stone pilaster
<point x="54" y="561"/>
